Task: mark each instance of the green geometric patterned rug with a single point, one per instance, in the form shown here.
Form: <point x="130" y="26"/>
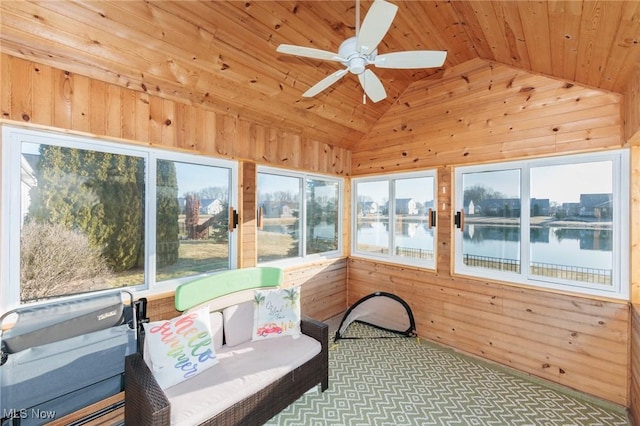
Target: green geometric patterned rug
<point x="404" y="381"/>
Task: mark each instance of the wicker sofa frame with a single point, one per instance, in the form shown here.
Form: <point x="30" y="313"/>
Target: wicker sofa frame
<point x="146" y="403"/>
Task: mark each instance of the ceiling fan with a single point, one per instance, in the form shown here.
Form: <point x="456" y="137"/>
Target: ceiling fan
<point x="357" y="52"/>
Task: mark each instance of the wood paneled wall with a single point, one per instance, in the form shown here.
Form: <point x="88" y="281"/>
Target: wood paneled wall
<point x="248" y="242"/>
<point x="324" y="291"/>
<point x="39" y="94"/>
<point x="632" y="110"/>
<point x="324" y="285"/>
<point x="482" y="112"/>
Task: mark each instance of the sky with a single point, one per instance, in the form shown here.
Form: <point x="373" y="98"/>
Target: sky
<point x="274" y="183"/>
<point x="559" y="183"/>
<point x="565" y="183"/>
<point x="269" y="183"/>
<point x="194" y="177"/>
<point x="420" y="189"/>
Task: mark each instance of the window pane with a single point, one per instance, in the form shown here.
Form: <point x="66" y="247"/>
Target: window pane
<point x="82" y="221"/>
<point x="322" y="216"/>
<point x="491" y="202"/>
<point x="279" y="202"/>
<point x="372" y="217"/>
<point x="572" y="222"/>
<point x="412" y="236"/>
<point x="192" y="219"/>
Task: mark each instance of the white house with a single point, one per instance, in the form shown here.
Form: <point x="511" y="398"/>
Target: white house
<point x="213" y="207"/>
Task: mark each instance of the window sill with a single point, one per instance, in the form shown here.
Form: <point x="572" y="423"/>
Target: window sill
<point x="300" y="261"/>
<point x="396" y="261"/>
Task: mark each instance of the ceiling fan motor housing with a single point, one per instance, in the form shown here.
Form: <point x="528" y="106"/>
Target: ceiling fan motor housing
<point x="356" y="61"/>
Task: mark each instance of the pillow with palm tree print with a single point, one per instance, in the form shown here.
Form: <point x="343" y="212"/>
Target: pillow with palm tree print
<point x="276" y="313"/>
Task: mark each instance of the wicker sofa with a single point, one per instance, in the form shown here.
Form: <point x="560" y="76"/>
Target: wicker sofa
<point x="247" y="396"/>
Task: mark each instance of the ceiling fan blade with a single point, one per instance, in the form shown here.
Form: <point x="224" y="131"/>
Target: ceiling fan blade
<point x="324" y="83"/>
<point x="375" y="25"/>
<point x="308" y="52"/>
<point x="411" y="59"/>
<point x="372" y="86"/>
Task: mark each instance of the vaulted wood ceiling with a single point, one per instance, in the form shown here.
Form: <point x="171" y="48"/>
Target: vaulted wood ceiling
<point x="222" y="54"/>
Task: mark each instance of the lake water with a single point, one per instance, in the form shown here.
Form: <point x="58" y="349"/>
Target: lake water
<point x="415" y="235"/>
<point x="590" y="248"/>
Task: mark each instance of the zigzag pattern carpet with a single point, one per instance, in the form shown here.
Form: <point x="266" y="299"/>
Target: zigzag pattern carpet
<point x="404" y="381"/>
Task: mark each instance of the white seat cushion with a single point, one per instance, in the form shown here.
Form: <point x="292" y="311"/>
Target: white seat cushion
<point x="243" y="370"/>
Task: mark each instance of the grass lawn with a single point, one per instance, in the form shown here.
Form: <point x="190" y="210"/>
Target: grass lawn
<point x="194" y="257"/>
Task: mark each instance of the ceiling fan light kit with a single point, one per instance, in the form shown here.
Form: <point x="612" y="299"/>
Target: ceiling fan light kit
<point x="355" y="53"/>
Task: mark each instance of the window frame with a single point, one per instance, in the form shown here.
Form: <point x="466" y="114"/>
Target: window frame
<point x="10" y="217"/>
<point x="620" y="286"/>
<point x="391" y="257"/>
<point x="304" y="257"/>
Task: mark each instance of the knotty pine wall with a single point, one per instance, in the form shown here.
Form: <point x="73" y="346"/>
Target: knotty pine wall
<point x="632" y="110"/>
<point x="37" y="94"/>
<point x="481" y="112"/>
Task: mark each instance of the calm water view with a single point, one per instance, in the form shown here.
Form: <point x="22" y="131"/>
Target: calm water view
<point x="584" y="247"/>
<point x="414" y="235"/>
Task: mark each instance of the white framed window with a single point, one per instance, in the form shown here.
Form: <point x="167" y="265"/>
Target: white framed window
<point x="559" y="223"/>
<point x="82" y="214"/>
<point x="394" y="218"/>
<point x="299" y="215"/>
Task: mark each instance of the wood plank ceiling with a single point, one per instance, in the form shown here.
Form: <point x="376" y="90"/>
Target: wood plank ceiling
<point x="221" y="54"/>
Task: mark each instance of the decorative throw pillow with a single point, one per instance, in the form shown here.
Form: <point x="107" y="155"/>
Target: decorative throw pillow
<point x="238" y="323"/>
<point x="180" y="348"/>
<point x="276" y="313"/>
<point x="217" y="329"/>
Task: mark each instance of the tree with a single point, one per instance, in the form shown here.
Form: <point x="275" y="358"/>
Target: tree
<point x="479" y="193"/>
<point x="98" y="194"/>
<point x="319" y="210"/>
<point x="167" y="213"/>
<point x="219" y="224"/>
<point x="192" y="215"/>
<point x="102" y="195"/>
<point x="215" y="192"/>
